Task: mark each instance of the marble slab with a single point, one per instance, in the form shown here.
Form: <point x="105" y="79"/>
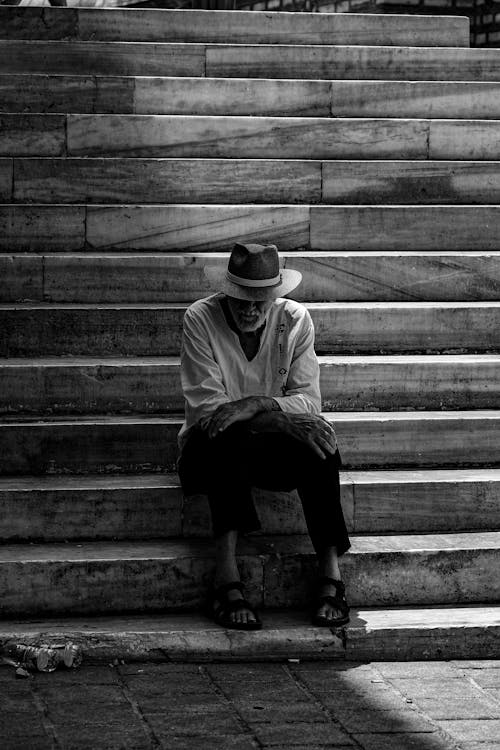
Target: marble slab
<point x="405" y="228"/>
<point x="99" y="508"/>
<point x="142" y="277"/>
<point x="470" y="139"/>
<point x="411" y="382"/>
<point x="426" y="500"/>
<point x="101" y="58"/>
<point x="402" y="327"/>
<point x="38" y="22"/>
<point x="32" y="135"/>
<point x="197" y="228"/>
<point x="101" y="445"/>
<point x="36" y="228"/>
<point x="433" y="99"/>
<point x="351" y="62"/>
<point x="279" y="28"/>
<point x="341" y="328"/>
<point x="43" y="93"/>
<point x="6" y="172"/>
<point x="93" y="330"/>
<point x="231" y="96"/>
<point x="118" y="180"/>
<point x="22" y="278"/>
<point x="358" y="276"/>
<point x="76" y="386"/>
<point x="245" y="137"/>
<point x="413" y="182"/>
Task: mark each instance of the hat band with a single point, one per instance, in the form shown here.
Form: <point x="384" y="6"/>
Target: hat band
<point x="253" y="282"/>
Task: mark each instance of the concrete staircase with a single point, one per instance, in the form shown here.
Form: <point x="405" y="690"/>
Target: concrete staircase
<point x="135" y="147"/>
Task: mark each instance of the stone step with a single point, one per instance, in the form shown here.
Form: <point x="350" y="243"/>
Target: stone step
<point x="392" y="634"/>
<point x="116" y="444"/>
<point x="150" y="25"/>
<point x="145" y="95"/>
<point x="209" y="228"/>
<point x="396" y="63"/>
<point x="59" y="508"/>
<point x="152" y="386"/>
<point x="42" y="329"/>
<point x="235" y="137"/>
<point x="174" y="575"/>
<point x="350" y="276"/>
<point x="254" y="181"/>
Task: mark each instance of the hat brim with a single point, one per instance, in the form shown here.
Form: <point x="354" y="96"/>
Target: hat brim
<point x="289" y="281"/>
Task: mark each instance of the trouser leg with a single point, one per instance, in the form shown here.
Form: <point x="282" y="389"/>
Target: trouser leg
<point x="221" y="469"/>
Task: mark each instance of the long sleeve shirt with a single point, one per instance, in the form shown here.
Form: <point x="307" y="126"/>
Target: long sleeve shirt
<point x="215" y="369"/>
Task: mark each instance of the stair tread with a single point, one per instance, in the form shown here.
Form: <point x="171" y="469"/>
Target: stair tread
<point x="337" y="416"/>
<point x="263" y="545"/>
<point x="174" y="361"/>
<point x="424" y="617"/>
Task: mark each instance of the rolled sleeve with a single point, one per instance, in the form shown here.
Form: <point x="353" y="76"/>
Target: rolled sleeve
<point x="302" y="393"/>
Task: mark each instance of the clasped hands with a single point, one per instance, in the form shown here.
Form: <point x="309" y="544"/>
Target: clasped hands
<point x="311" y="429"/>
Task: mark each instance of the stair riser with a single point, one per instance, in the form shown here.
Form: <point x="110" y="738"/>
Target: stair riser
<point x="247" y="61"/>
<point x="142" y="513"/>
<point x="180" y="584"/>
<point x="157" y="278"/>
<point x="255" y="97"/>
<point x="247" y="27"/>
<point x="165" y="136"/>
<point x="204" y="228"/>
<point x="104" y="388"/>
<point x="243" y="181"/>
<point x="136" y="446"/>
<point x="340" y="329"/>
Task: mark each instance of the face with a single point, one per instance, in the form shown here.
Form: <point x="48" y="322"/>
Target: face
<point x="249" y="315"/>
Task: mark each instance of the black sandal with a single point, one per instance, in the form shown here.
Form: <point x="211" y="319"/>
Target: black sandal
<point x="338" y="602"/>
<point x="221" y="612"/>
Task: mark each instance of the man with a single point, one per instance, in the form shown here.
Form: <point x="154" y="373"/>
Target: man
<point x="250" y="379"/>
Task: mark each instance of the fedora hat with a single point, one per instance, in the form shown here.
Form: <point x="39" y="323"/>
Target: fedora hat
<point x="253" y="273"/>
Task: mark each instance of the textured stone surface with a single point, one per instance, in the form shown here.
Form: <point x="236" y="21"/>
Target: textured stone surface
<point x="400" y="228"/>
<point x="399" y="182"/>
<point x="140" y="444"/>
<point x="173" y="575"/>
<point x="446" y="99"/>
<point x="226" y="96"/>
<point x="464" y="139"/>
<point x="27" y="135"/>
<point x="195" y="26"/>
<point x="102" y="58"/>
<point x="385" y="63"/>
<point x="143" y="180"/>
<point x="246" y="137"/>
<point x="350" y="276"/>
<point x="200" y="228"/>
<point x="6" y="170"/>
<point x="35" y="228"/>
<point x="341" y="328"/>
<point x="59" y="508"/>
<point x="22" y="278"/>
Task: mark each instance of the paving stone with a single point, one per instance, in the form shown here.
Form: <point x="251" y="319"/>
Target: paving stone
<point x="403" y="741"/>
<point x="201" y="741"/>
<point x="277" y="712"/>
<point x="89" y="675"/>
<point x="217" y="724"/>
<point x="412" y="670"/>
<point x="102" y="735"/>
<point x="445" y="707"/>
<point x="472" y="729"/>
<point x="298" y="734"/>
<point x="405" y="719"/>
<point x="487" y="678"/>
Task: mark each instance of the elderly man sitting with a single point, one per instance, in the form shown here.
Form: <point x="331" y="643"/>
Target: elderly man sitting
<point x="250" y="379"/>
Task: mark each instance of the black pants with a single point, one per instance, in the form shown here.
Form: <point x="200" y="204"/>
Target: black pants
<point x="227" y="467"/>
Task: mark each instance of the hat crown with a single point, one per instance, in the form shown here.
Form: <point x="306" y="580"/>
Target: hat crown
<point x="254" y="262"/>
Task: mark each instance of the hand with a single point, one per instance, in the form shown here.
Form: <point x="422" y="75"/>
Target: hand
<point x="235" y="411"/>
<point x="314" y="431"/>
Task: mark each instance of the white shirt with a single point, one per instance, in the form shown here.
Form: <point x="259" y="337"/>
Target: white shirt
<point x="215" y="370"/>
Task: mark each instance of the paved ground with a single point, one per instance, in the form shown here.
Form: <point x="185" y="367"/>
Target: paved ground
<point x="376" y="706"/>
